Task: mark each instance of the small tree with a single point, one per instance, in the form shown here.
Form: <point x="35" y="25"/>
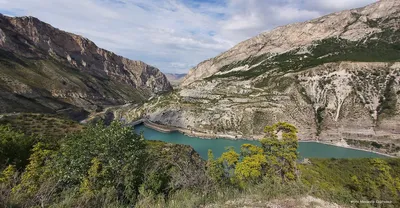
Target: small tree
<point x="214" y="169"/>
<point x="277" y="156"/>
<point x="38" y="182"/>
<point x="280" y="147"/>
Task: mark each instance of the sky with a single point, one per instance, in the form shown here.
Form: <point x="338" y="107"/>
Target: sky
<point x="173" y="35"/>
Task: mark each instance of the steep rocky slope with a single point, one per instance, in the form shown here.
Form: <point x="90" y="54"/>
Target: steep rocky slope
<point x="337" y="78"/>
<point x="44" y="69"/>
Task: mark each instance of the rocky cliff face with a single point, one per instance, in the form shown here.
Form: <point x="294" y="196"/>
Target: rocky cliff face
<point x="337" y="78"/>
<point x="45" y="69"/>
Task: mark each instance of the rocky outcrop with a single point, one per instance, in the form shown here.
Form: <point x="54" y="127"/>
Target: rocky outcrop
<point x="330" y="101"/>
<point x="41" y="62"/>
<point x="337" y="78"/>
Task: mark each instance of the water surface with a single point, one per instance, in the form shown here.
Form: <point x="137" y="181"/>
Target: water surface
<point x="306" y="149"/>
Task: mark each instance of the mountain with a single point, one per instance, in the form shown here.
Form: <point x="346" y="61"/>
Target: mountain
<point x="318" y="38"/>
<point x="44" y="69"/>
<point x="337" y="78"/>
<point x="175" y="79"/>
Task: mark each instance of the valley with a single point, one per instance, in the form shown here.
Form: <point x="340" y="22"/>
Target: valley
<point x="302" y="115"/>
<point x="337" y="78"/>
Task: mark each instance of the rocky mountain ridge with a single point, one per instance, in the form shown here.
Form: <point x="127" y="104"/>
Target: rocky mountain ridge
<point x="337" y="78"/>
<point x="349" y="25"/>
<point x="45" y="69"/>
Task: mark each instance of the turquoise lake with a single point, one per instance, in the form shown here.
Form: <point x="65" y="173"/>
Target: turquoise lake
<point x="306" y="149"/>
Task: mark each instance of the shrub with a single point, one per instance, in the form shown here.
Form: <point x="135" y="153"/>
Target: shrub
<point x="90" y="163"/>
<point x="14" y="147"/>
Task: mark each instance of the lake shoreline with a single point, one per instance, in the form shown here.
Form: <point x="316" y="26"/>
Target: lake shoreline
<point x="348" y="147"/>
<point x="202" y="135"/>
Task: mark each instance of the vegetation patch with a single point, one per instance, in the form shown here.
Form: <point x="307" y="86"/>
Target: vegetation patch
<point x="380" y="47"/>
<point x="276" y="82"/>
<point x="347" y="180"/>
<point x="388" y="102"/>
<point x="319" y="114"/>
<point x="41" y="125"/>
<point x="111" y="166"/>
<point x="388" y="147"/>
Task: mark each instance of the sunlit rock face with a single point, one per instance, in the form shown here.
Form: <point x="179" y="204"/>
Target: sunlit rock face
<point x="44" y="68"/>
<point x="352" y="25"/>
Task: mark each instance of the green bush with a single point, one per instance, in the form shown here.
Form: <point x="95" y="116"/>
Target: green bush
<point x="14" y="147"/>
<point x="89" y="164"/>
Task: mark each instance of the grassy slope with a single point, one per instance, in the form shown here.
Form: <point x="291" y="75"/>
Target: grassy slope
<point x="43" y="125"/>
<point x="327" y="179"/>
<point x="333" y="179"/>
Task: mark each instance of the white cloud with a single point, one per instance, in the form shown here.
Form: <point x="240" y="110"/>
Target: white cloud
<point x="337" y="5"/>
<point x="173" y="35"/>
<point x="243" y="22"/>
<point x="288" y="13"/>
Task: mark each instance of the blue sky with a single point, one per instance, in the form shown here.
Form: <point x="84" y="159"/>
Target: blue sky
<point x="173" y="35"/>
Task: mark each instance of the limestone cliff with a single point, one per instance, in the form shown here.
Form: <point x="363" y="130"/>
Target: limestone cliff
<point x="44" y="69"/>
<point x="351" y="25"/>
<point x="337" y="78"/>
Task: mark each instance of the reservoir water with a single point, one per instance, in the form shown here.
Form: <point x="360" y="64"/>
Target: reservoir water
<point x="306" y="149"/>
